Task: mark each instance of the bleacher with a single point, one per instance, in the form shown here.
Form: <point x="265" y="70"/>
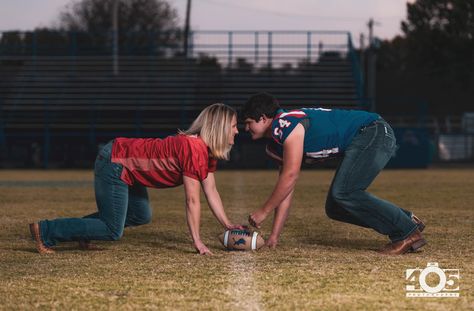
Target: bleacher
<point x="83" y="91"/>
<point x="46" y="99"/>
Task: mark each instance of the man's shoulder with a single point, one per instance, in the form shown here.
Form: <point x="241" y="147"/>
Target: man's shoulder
<point x="296" y="114"/>
<point x="285" y="122"/>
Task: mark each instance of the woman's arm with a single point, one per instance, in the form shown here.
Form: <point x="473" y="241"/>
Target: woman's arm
<point x="192" y="189"/>
<point x="215" y="202"/>
<point x="214" y="199"/>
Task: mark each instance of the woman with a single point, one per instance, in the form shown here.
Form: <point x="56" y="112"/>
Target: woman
<point x="126" y="166"/>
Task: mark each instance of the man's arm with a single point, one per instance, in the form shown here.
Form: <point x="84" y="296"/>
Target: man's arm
<point x="292" y="157"/>
<point x="192" y="190"/>
<point x="281" y="214"/>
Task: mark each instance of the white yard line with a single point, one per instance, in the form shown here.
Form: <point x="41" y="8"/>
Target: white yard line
<point x="242" y="288"/>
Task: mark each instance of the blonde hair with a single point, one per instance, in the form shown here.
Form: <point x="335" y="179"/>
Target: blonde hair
<point x="213" y="125"/>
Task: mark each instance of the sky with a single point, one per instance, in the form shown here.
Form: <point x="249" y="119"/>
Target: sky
<point x="346" y="15"/>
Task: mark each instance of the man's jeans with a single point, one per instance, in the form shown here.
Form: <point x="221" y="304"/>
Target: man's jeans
<point x="348" y="201"/>
<point x="119" y="206"/>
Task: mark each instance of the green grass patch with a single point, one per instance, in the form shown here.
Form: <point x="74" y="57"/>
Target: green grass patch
<point x="320" y="263"/>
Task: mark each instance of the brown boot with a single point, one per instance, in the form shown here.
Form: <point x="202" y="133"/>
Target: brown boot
<point x="88" y="246"/>
<point x="36" y="236"/>
<point x="413" y="242"/>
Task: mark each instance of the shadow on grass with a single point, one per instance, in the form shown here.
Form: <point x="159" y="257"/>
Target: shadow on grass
<point x="31" y="249"/>
<point x="166" y="240"/>
<point x="59" y="248"/>
<point x="139" y="240"/>
<point x="64" y="248"/>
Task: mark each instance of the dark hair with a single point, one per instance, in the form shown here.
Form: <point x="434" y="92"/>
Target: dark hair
<point x="258" y="105"/>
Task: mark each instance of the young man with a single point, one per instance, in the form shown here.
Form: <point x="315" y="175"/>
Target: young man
<point x="364" y="141"/>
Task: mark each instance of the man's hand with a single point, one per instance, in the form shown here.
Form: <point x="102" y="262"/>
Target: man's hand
<point x="202" y="249"/>
<point x="271" y="242"/>
<point x="236" y="227"/>
<point x="256" y="218"/>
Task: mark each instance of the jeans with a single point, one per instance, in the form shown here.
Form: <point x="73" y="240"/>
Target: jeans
<point x="348" y="201"/>
<point x="119" y="205"/>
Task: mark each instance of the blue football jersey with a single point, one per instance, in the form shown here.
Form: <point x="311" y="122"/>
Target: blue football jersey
<point x="328" y="132"/>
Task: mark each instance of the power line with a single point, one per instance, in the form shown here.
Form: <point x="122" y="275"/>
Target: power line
<point x="293" y="15"/>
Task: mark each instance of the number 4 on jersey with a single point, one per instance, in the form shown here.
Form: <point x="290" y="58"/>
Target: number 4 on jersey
<point x="284" y="123"/>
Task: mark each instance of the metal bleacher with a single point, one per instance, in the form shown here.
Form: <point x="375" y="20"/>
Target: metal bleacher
<point x="48" y="99"/>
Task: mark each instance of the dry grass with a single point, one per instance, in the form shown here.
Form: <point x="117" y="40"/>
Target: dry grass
<point x="320" y="264"/>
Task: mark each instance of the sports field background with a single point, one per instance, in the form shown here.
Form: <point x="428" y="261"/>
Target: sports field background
<point x="320" y="263"/>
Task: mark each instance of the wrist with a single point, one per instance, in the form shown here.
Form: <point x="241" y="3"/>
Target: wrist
<point x="274" y="235"/>
<point x="267" y="209"/>
<point x="196" y="239"/>
<point x="198" y="242"/>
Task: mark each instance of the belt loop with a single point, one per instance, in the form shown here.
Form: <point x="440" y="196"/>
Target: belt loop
<point x="361" y="129"/>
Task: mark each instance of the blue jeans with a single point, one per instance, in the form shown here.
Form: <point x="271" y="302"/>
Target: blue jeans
<point x="119" y="206"/>
<point x="348" y="201"/>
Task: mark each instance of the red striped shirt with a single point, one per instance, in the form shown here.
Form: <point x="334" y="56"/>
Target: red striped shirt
<point x="161" y="163"/>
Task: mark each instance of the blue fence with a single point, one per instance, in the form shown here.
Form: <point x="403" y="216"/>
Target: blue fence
<point x="260" y="48"/>
<point x="357" y="71"/>
<point x="268" y="48"/>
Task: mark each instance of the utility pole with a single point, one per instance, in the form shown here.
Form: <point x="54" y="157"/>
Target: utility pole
<point x="115" y="37"/>
<point x="186" y="28"/>
<point x="370" y="24"/>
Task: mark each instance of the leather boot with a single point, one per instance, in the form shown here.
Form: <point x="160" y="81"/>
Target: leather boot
<point x="413" y="242"/>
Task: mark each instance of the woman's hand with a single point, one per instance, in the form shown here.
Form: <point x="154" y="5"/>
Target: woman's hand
<point x="236" y="227"/>
<point x="202" y="249"/>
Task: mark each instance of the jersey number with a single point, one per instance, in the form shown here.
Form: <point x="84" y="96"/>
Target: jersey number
<point x="284" y="123"/>
<point x="277" y="132"/>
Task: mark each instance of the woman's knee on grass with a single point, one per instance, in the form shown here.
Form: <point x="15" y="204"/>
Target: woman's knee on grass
<point x="144" y="217"/>
<point x="138" y="217"/>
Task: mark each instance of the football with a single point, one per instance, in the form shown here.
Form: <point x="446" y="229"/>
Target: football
<point x="243" y="240"/>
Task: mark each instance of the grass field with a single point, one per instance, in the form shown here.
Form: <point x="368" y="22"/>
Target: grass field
<point x="320" y="263"/>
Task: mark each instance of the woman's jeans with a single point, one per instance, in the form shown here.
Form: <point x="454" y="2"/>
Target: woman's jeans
<point x="119" y="206"/>
<point x="348" y="201"/>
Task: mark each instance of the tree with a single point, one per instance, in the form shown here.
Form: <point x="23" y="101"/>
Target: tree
<point x="440" y="36"/>
<point x="11" y="43"/>
<point x="434" y="58"/>
<point x="42" y="41"/>
<point x="144" y="26"/>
